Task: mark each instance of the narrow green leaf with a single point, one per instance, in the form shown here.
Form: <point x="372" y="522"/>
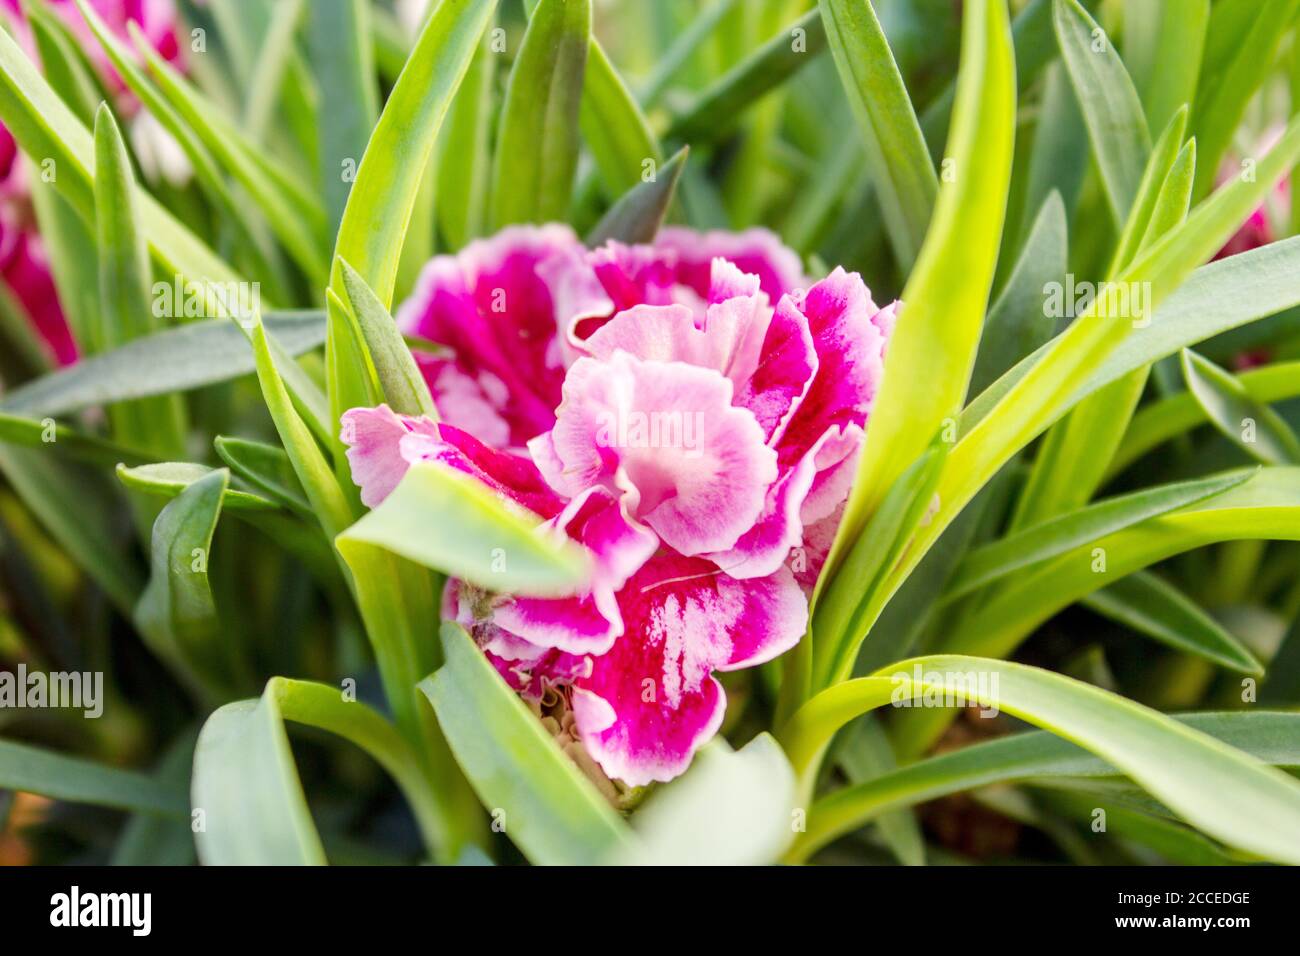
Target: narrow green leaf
<point x="1227" y="85"/>
<point x="265" y="467"/>
<point x="34" y="770"/>
<point x="451" y="523"/>
<point x="72" y="508"/>
<point x="464" y="158"/>
<point x="613" y="126"/>
<point x="714" y="112"/>
<point x="1181" y="412"/>
<point x="170" y="479"/>
<point x="294" y="215"/>
<point x="342" y="61"/>
<point x="1039" y="542"/>
<point x="864" y="753"/>
<point x="402" y="382"/>
<point x="1152" y="606"/>
<point x="1163" y="41"/>
<point x="1017" y="322"/>
<point x="904" y="177"/>
<point x="1036" y="755"/>
<point x="553" y="813"/>
<point x="537" y="139"/>
<point x="178" y="359"/>
<point x="49" y="435"/>
<point x="1223" y="792"/>
<point x="932" y="350"/>
<point x="638" y="214"/>
<point x="383" y="194"/>
<point x="45" y="127"/>
<point x="1256" y="429"/>
<point x="126" y="312"/>
<point x="1110" y="105"/>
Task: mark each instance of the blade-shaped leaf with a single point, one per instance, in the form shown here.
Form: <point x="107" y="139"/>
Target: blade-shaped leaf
<point x="1222" y="791"/>
<point x="904" y="177"/>
<point x="1255" y="428"/>
<point x="537" y="139"/>
<point x="35" y="770"/>
<point x="455" y="524"/>
<point x="1154" y="607"/>
<point x="550" y="810"/>
<point x="637" y="215"/>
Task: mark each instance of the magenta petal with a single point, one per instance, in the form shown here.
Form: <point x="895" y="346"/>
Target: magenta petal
<point x="754" y="251"/>
<point x="652" y="700"/>
<point x="492" y="307"/>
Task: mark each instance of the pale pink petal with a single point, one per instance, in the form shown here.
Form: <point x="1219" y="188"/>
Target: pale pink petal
<point x="668" y="432"/>
<point x="374" y="439"/>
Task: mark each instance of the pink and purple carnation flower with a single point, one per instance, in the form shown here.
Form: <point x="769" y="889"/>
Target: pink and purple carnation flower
<point x="691" y="411"/>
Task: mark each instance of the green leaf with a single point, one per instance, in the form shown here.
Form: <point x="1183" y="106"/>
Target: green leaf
<point x="537" y="139"/>
<point x="176" y="613"/>
<point x="1055" y="536"/>
<point x="342" y="61"/>
<point x="326" y="708"/>
<point x="170" y="479"/>
<point x="1153" y="607"/>
<point x="291" y="212"/>
<point x="1163" y="41"/>
<point x="206" y="171"/>
<point x="34" y="770"/>
<point x="864" y="753"/>
<point x="464" y="158"/>
<point x="1110" y="105"/>
<point x="714" y="112"/>
<point x="613" y="126"/>
<point x="388" y="179"/>
<point x="1156" y="177"/>
<point x="900" y="164"/>
<point x="932" y="350"/>
<point x="1264" y="507"/>
<point x="45" y="127"/>
<point x="247" y="788"/>
<point x="455" y="524"/>
<point x="72" y="508"/>
<point x="639" y="212"/>
<point x="403" y="385"/>
<point x="852" y="602"/>
<point x="1042" y="387"/>
<point x="1037" y="755"/>
<point x="156" y="424"/>
<point x="1227" y="794"/>
<point x="731" y="808"/>
<point x="178" y="359"/>
<point x="265" y="467"/>
<point x="1017" y="322"/>
<point x="49" y="435"/>
<point x="1178" y="413"/>
<point x="1227" y="85"/>
<point x="551" y="811"/>
<point x="1254" y="428"/>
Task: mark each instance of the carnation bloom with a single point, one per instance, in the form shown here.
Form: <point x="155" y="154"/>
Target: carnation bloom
<point x="691" y="411"/>
<point x="23" y="262"/>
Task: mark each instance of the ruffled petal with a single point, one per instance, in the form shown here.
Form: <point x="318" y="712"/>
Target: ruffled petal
<point x="651" y="701"/>
<point x="374" y="439"/>
<point x="755" y="251"/>
<point x="491" y="306"/>
<point x="382" y="445"/>
<point x="694" y="467"/>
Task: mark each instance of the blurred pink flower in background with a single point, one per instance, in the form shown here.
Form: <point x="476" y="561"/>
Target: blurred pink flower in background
<point x="23" y="262"/>
<point x="691" y="411"/>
